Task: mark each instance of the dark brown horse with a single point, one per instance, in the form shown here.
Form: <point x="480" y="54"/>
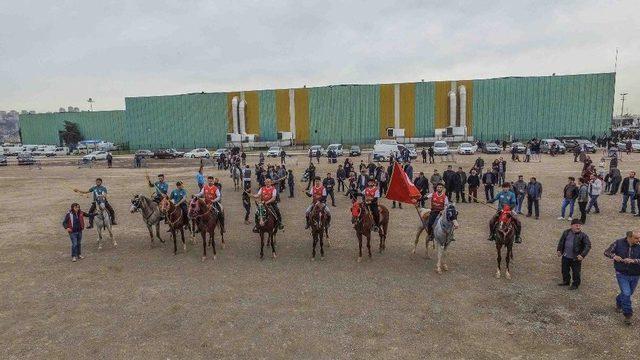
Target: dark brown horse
<point x="362" y="218"/>
<point x="206" y="221"/>
<point x="266" y="224"/>
<point x="319" y="221"/>
<point x="505" y="234"/>
<point x="176" y="220"/>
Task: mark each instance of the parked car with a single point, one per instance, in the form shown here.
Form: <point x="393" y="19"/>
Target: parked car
<point x="217" y="153"/>
<point x="520" y="148"/>
<point x="383" y="150"/>
<point x="274" y="151"/>
<point x="545" y="145"/>
<point x="635" y="145"/>
<point x="198" y="153"/>
<point x="335" y="147"/>
<point x="26" y="159"/>
<point x="588" y="145"/>
<point x="57" y="151"/>
<point x="3" y="160"/>
<point x="13" y="150"/>
<point x="315" y="149"/>
<point x="491" y="148"/>
<point x="355" y="150"/>
<point x="413" y="154"/>
<point x="96" y="155"/>
<point x="166" y="154"/>
<point x="440" y="148"/>
<point x="144" y="153"/>
<point x="176" y="153"/>
<point x="467" y="149"/>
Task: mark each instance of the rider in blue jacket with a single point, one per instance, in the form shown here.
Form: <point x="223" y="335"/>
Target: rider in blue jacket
<point x="505" y="198"/>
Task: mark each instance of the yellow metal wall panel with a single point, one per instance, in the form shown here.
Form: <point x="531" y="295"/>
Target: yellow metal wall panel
<point x="442" y="104"/>
<point x="468" y="84"/>
<point x="283" y="119"/>
<point x="408" y="108"/>
<point x="252" y="112"/>
<point x="229" y="110"/>
<point x="301" y="98"/>
<point x="386" y="109"/>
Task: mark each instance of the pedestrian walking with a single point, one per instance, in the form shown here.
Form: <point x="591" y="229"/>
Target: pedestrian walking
<point x="431" y="153"/>
<point x="595" y="188"/>
<point x="73" y="223"/>
<point x="341" y="175"/>
<point x="488" y="180"/>
<point x="573" y="247"/>
<point x="329" y="183"/>
<point x="583" y="199"/>
<point x="628" y="190"/>
<point x="246" y="204"/>
<point x="109" y="160"/>
<point x="534" y="192"/>
<point x="520" y="189"/>
<point x="570" y="193"/>
<point x="625" y="254"/>
<point x="424" y="155"/>
<point x="290" y="181"/>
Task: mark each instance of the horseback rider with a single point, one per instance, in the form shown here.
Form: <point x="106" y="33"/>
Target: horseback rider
<point x="246" y="177"/>
<point x="268" y="195"/>
<point x="439" y="202"/>
<point x="179" y="198"/>
<point x="505" y="198"/>
<point x="318" y="193"/>
<point x="161" y="188"/>
<point x="371" y="196"/>
<point x="98" y="191"/>
<point x="212" y="197"/>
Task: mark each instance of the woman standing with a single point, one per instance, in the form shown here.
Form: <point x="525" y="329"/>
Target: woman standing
<point x="74" y="224"/>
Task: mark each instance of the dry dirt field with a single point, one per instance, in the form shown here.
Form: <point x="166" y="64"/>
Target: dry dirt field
<point x="142" y="302"/>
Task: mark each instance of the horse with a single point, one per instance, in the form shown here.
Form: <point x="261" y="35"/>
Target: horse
<point x="443" y="229"/>
<point x="102" y="221"/>
<point x="176" y="220"/>
<point x="362" y="219"/>
<point x="505" y="231"/>
<point x="207" y="222"/>
<point x="151" y="214"/>
<point x="266" y="223"/>
<point x="319" y="221"/>
<point x="236" y="175"/>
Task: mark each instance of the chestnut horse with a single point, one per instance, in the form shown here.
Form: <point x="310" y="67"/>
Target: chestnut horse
<point x="319" y="221"/>
<point x="206" y="221"/>
<point x="176" y="220"/>
<point x="505" y="233"/>
<point x="266" y="223"/>
<point x="362" y="219"/>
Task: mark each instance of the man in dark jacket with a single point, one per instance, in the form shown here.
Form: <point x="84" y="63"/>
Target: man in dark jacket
<point x="341" y="175"/>
<point x="363" y="178"/>
<point x="430" y="152"/>
<point x="474" y="182"/>
<point x="329" y="183"/>
<point x="450" y="180"/>
<point x="479" y="164"/>
<point x="534" y="192"/>
<point x="616" y="178"/>
<point x="625" y="254"/>
<point x="489" y="179"/>
<point x="422" y="184"/>
<point x="573" y="247"/>
<point x="570" y="193"/>
<point x="424" y="155"/>
<point x="461" y="183"/>
<point x="73" y="223"/>
<point x="628" y="190"/>
<point x="311" y="173"/>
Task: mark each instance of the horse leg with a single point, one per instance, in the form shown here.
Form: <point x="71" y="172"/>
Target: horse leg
<point x="150" y="234"/>
<point x="507" y="259"/>
<point x="222" y="234"/>
<point x="175" y="241"/>
<point x="315" y="240"/>
<point x="369" y="244"/>
<point x="417" y="240"/>
<point x="261" y="245"/>
<point x="184" y="244"/>
<point x="439" y="263"/>
<point x="212" y="236"/>
<point x="113" y="240"/>
<point x="499" y="249"/>
<point x="272" y="240"/>
<point x="158" y="232"/>
<point x="359" y="246"/>
<point x="321" y="245"/>
<point x="444" y="256"/>
<point x="204" y="243"/>
<point x="99" y="229"/>
<point x="383" y="235"/>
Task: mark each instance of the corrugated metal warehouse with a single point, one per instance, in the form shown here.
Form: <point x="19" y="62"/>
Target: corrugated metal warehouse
<point x="522" y="107"/>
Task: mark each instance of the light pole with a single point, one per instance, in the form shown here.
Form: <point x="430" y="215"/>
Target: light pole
<point x="90" y="101"/>
<point x="622" y="108"/>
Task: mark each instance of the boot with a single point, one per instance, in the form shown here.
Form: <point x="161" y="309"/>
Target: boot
<point x="307" y="224"/>
<point x="518" y="239"/>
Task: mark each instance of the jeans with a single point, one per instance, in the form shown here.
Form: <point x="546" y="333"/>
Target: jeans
<point x="473" y="194"/>
<point x="76" y="238"/>
<point x="247" y="210"/>
<point x="333" y="199"/>
<point x="519" y="201"/>
<point x="625" y="199"/>
<point x="501" y="178"/>
<point x="459" y="193"/>
<point x="571" y="203"/>
<point x="340" y="184"/>
<point x="627" y="284"/>
<point x="533" y="204"/>
<point x="571" y="266"/>
<point x="290" y="189"/>
<point x="593" y="202"/>
<point x="488" y="192"/>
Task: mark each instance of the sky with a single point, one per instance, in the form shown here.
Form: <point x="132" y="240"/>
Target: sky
<point x="61" y="53"/>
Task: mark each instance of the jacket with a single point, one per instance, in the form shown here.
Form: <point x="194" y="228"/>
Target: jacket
<point x="583" y="193"/>
<point x="473" y="181"/>
<point x="520" y="188"/>
<point x="570" y="189"/>
<point x="622" y="248"/>
<point x="595" y="187"/>
<point x="450" y="178"/>
<point x="462" y="176"/>
<point x="67" y="223"/>
<point x="422" y="184"/>
<point x="489" y="179"/>
<point x="534" y="190"/>
<point x="628" y="186"/>
<point x="435" y="179"/>
<point x="581" y="243"/>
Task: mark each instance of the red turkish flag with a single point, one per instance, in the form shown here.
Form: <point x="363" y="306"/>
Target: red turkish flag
<point x="401" y="188"/>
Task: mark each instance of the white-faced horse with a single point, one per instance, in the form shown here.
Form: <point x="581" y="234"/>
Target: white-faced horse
<point x="443" y="229"/>
<point x="102" y="221"/>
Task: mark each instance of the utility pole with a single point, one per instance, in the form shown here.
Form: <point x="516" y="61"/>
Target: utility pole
<point x="90" y="101"/>
<point x="622" y="108"/>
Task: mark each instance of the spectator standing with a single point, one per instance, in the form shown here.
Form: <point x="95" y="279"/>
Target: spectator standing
<point x="595" y="188"/>
<point x="460" y="184"/>
<point x="73" y="223"/>
<point x="291" y="182"/>
<point x="583" y="199"/>
<point x="625" y="254"/>
<point x="534" y="192"/>
<point x="431" y="158"/>
<point x="243" y="156"/>
<point x="527" y="154"/>
<point x="341" y="175"/>
<point x="450" y="181"/>
<point x="383" y="180"/>
<point x="573" y="247"/>
<point x="615" y="177"/>
<point x="520" y="189"/>
<point x="422" y="184"/>
<point x="311" y="173"/>
<point x="424" y="155"/>
<point x="283" y="157"/>
<point x="502" y="171"/>
<point x="408" y="169"/>
<point x="200" y="180"/>
<point x="628" y="190"/>
<point x="318" y="154"/>
<point x="246" y="204"/>
<point x="474" y="182"/>
<point x="329" y="183"/>
<point x="479" y="164"/>
<point x="570" y="193"/>
<point x="489" y="180"/>
<point x="435" y="179"/>
<point x="109" y="160"/>
<point x="363" y="178"/>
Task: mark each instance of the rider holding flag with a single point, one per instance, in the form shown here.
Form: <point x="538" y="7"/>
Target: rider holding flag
<point x="318" y="193"/>
<point x="268" y="195"/>
<point x="98" y="192"/>
<point x="506" y="202"/>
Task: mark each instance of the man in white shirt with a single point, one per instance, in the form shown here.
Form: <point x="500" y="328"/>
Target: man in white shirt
<point x="595" y="188"/>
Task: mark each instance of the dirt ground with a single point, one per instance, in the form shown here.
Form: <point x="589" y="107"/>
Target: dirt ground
<point x="138" y="301"/>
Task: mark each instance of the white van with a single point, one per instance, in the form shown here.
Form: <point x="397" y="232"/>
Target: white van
<point x="335" y="147"/>
<point x="384" y="149"/>
<point x="57" y="151"/>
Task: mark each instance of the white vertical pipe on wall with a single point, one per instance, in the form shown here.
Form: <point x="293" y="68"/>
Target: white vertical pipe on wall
<point x="462" y="91"/>
<point x="452" y="107"/>
<point x="234" y="114"/>
<point x="396" y="106"/>
<point x="292" y="112"/>
<point x="242" y="115"/>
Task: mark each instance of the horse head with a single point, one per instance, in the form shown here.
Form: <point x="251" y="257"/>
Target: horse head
<point x="194" y="207"/>
<point x="136" y="203"/>
<point x="317" y="213"/>
<point x="262" y="213"/>
<point x="504" y="220"/>
<point x="451" y="215"/>
<point x="165" y="204"/>
<point x="357" y="212"/>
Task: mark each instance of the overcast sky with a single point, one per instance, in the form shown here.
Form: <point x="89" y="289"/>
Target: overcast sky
<point x="59" y="53"/>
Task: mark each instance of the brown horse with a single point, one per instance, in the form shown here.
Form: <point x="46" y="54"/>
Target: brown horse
<point x="176" y="220"/>
<point x="266" y="223"/>
<point x="319" y="221"/>
<point x="362" y="219"/>
<point x="207" y="221"/>
<point x="505" y="233"/>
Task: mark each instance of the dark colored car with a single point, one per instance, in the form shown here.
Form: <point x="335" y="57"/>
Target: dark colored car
<point x="26" y="159"/>
<point x="355" y="150"/>
<point x="167" y="154"/>
<point x="3" y="160"/>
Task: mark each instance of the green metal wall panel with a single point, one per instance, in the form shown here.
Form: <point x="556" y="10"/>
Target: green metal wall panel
<point x="268" y="131"/>
<point x="347" y="114"/>
<point x="179" y="121"/>
<point x="43" y="128"/>
<point x="425" y="109"/>
<point x="542" y="107"/>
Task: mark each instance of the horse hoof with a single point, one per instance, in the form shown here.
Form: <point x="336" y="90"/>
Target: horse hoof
<point x="313" y="258"/>
<point x="321" y="258"/>
<point x="439" y="271"/>
<point x="507" y="276"/>
<point x="360" y="259"/>
<point x="100" y="247"/>
<point x="115" y="245"/>
<point x="413" y="252"/>
<point x="445" y="268"/>
<point x="204" y="258"/>
<point x="498" y="275"/>
<point x="274" y="256"/>
<point x="214" y="257"/>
